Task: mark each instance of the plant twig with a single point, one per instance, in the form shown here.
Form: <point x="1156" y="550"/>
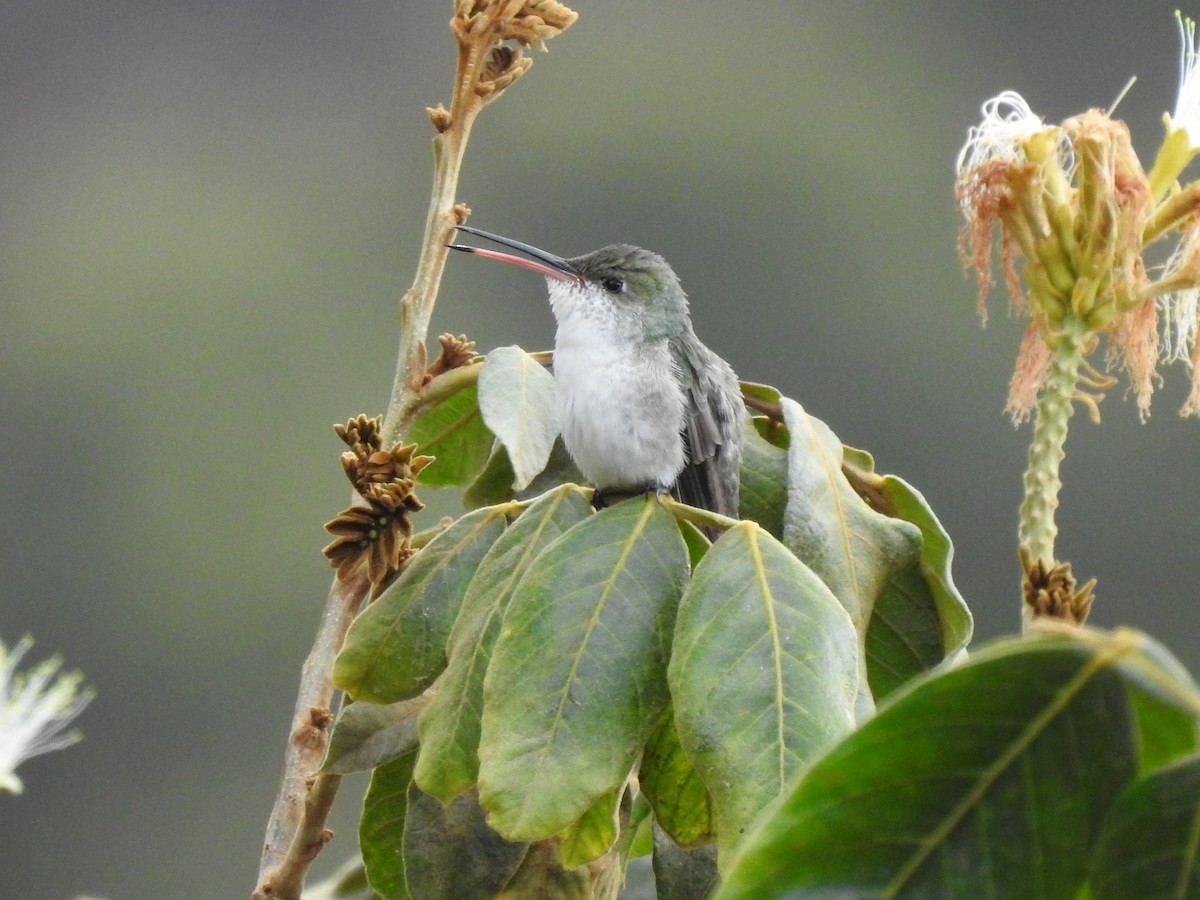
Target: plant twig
<point x="486" y="66"/>
<point x="278" y="874"/>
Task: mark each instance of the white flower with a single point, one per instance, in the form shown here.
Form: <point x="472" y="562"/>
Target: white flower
<point x="35" y="707"/>
<point x="1007" y="123"/>
<point x="1187" y="102"/>
<point x="1181" y="306"/>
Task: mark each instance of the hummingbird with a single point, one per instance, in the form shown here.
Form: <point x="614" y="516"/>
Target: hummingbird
<point x="642" y="404"/>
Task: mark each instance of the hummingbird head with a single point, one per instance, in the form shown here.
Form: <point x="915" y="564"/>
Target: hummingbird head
<point x="621" y="288"/>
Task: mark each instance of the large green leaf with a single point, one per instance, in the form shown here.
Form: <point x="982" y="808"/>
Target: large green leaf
<point x="541" y="875"/>
<point x="576" y="679"/>
<point x="451" y="854"/>
<point x="449" y="727"/>
<point x="764" y="673"/>
<point x="397" y="646"/>
<point x="1166" y="703"/>
<point x="764" y="479"/>
<point x="1149" y="847"/>
<point x="919" y="618"/>
<point x="594" y="833"/>
<point x="495" y="483"/>
<point x="674" y="789"/>
<point x="852" y="548"/>
<point x="516" y="397"/>
<point x="1165" y="732"/>
<point x="453" y="431"/>
<point x="990" y="779"/>
<point x="381" y="828"/>
<point x="367" y="735"/>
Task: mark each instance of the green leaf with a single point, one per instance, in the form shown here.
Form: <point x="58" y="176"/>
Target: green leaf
<point x="989" y="779"/>
<point x="367" y="735"/>
<point x="697" y="544"/>
<point x="517" y="399"/>
<point x="764" y="392"/>
<point x="397" y="645"/>
<point x="349" y="880"/>
<point x="764" y="481"/>
<point x="904" y="636"/>
<point x="449" y="727"/>
<point x="454" y="432"/>
<point x="920" y="618"/>
<point x="1149" y="847"/>
<point x="381" y="829"/>
<point x="593" y="834"/>
<point x="495" y="482"/>
<point x="851" y="547"/>
<point x="674" y="789"/>
<point x="541" y="875"/>
<point x="451" y="854"/>
<point x="1165" y="732"/>
<point x="763" y="673"/>
<point x="683" y="874"/>
<point x="641" y="816"/>
<point x="576" y="679"/>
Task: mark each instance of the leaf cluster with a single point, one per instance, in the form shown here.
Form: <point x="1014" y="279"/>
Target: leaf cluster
<point x="547" y="691"/>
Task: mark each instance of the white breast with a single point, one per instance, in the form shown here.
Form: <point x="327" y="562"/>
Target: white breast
<point x="620" y="405"/>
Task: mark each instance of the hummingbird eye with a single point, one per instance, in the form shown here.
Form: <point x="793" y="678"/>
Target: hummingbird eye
<point x="613" y="284"/>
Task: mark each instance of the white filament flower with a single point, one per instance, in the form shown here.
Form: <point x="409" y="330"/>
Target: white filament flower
<point x="35" y="707"/>
<point x="1007" y="123"/>
<point x="1187" y="102"/>
<point x="1180" y="307"/>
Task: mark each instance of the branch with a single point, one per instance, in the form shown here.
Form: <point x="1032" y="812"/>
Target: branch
<point x="486" y="66"/>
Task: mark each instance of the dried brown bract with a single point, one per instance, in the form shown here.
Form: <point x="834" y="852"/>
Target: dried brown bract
<point x="361" y="434"/>
<point x="374" y="534"/>
<point x="503" y="66"/>
<point x="1050" y="590"/>
<point x="440" y="117"/>
<point x="456" y="353"/>
<point x="484" y="26"/>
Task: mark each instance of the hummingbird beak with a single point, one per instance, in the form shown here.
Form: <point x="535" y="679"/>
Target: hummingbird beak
<point x="546" y="264"/>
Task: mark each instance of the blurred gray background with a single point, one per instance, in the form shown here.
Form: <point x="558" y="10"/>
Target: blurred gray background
<point x="209" y="210"/>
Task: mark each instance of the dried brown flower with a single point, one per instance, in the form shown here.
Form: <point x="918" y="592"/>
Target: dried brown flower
<point x="311" y="734"/>
<point x="440" y="117"/>
<point x="361" y="434"/>
<point x="456" y="353"/>
<point x="1050" y="590"/>
<point x="372" y="537"/>
<point x="375" y="534"/>
<point x="370" y="469"/>
<point x="504" y="65"/>
<point x="483" y="26"/>
<point x="539" y="20"/>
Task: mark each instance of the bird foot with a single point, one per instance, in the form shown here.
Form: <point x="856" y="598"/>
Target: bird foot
<point x="608" y="496"/>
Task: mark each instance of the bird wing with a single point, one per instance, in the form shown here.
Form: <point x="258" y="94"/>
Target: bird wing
<point x="712" y="429"/>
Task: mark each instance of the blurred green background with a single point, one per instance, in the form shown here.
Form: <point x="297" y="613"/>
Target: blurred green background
<point x="208" y="212"/>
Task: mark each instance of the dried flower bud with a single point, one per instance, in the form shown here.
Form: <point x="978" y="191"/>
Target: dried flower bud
<point x="504" y="66"/>
<point x="361" y="434"/>
<point x="375" y="536"/>
<point x="456" y="353"/>
<point x="541" y="20"/>
<point x="440" y="117"/>
<point x="1050" y="590"/>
